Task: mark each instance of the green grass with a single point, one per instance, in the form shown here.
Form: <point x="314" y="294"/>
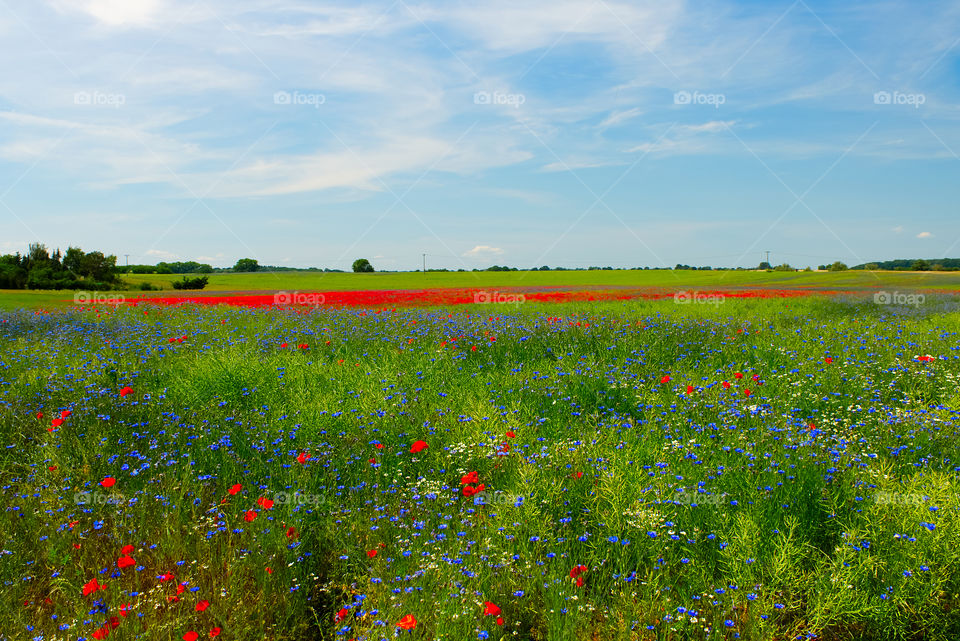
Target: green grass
<point x="780" y="529"/>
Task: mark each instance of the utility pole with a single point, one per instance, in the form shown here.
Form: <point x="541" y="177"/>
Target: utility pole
<point x="128" y="259"/>
<point x="424" y="263"/>
<point x="768" y="256"/>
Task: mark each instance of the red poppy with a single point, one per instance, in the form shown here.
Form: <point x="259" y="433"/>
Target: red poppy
<point x="39" y="414"/>
<point x="303" y="346"/>
<point x="726" y="385"/>
<point x="92" y="586"/>
<point x="828" y="360"/>
<point x="52" y="468"/>
<point x="379" y="446"/>
<point x="65" y="413"/>
<point x="490" y="608"/>
<point x="302" y="458"/>
<point x="689" y="389"/>
<point x="291" y="532"/>
<point x="235" y="489"/>
<point x="510" y="434"/>
<point x="214" y="632"/>
<point x="166" y="576"/>
<point x="577" y="571"/>
<point x="125" y="390"/>
<point x="190" y="636"/>
<point x="468" y="491"/>
<point x="125" y="561"/>
<point x="665" y="379"/>
<point x="127" y="549"/>
<point x="249" y="515"/>
<point x="472" y="477"/>
<point x="408" y="622"/>
<point x="418" y="446"/>
<point x="283" y="345"/>
<point x="203" y="605"/>
<point x="108" y="482"/>
<point x="499" y="620"/>
<point x="124" y="609"/>
<point x="57" y="422"/>
<point x="755" y="377"/>
<point x="265" y="503"/>
<point x="925" y="359"/>
<point x="747" y="392"/>
<point x="341" y="615"/>
<point x="738" y="376"/>
<point x="371" y="553"/>
<point x="101" y="633"/>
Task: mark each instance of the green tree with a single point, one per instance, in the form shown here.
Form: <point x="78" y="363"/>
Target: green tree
<point x="362" y="265"/>
<point x="837" y="267"/>
<point x="246" y="265"/>
<point x="920" y="266"/>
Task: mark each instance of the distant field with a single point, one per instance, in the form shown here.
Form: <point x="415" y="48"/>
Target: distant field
<point x="678" y="280"/>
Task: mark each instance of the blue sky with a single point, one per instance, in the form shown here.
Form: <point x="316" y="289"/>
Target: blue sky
<point x="519" y="132"/>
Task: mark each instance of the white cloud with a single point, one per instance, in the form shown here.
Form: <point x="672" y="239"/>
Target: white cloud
<point x="898" y="229"/>
<point x="483" y="251"/>
<point x="924" y="234"/>
<point x="115" y="13"/>
<point x="162" y="254"/>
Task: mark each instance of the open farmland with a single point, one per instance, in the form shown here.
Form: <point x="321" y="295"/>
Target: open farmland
<point x="762" y="468"/>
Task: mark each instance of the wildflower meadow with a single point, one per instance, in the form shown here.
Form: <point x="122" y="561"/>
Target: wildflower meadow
<point x="754" y="468"/>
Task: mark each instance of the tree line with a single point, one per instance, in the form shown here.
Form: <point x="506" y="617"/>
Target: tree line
<point x="74" y="269"/>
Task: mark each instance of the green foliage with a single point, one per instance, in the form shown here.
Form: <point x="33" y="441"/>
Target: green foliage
<point x="188" y="267"/>
<point x="246" y="265"/>
<point x="190" y="283"/>
<point x="362" y="266"/>
<point x="73" y="270"/>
